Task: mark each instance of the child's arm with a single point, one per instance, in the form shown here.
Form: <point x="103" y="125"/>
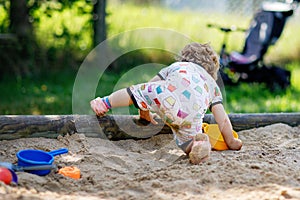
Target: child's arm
<point x="118" y="98"/>
<point x="225" y="127"/>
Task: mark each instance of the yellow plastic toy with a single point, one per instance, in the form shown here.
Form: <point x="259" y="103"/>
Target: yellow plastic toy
<point x="215" y="136"/>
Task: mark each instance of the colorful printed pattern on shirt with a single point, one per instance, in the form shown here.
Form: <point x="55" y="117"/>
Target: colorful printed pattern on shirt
<point x="181" y="99"/>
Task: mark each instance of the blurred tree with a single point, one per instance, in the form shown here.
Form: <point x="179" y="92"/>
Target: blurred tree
<point x="21" y="27"/>
<point x="19" y="18"/>
<point x="99" y="25"/>
<point x="26" y="52"/>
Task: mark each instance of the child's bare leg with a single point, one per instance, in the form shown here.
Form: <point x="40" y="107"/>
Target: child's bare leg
<point x="118" y="98"/>
<point x="200" y="150"/>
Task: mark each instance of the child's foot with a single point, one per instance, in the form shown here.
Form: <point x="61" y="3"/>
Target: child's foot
<point x="99" y="106"/>
<point x="200" y="150"/>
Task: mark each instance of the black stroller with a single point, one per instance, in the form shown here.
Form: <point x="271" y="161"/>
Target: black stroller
<point x="248" y="66"/>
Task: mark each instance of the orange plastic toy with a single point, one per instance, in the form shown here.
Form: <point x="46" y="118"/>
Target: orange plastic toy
<point x="72" y="172"/>
<point x="215" y="136"/>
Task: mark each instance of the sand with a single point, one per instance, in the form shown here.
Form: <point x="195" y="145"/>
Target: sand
<point x="267" y="167"/>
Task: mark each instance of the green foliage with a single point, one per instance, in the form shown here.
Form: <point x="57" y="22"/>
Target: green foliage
<point x="62" y="36"/>
<point x="4" y="23"/>
<point x="64" y="32"/>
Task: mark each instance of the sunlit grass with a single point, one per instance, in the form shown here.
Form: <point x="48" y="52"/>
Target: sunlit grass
<point x="52" y="93"/>
<point x="295" y="80"/>
<point x="49" y="94"/>
<point x="257" y="98"/>
<point x="191" y="24"/>
<point x="251" y="98"/>
<point x="125" y="17"/>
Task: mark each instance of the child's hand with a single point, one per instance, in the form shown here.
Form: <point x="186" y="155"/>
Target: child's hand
<point x="147" y="115"/>
<point x="98" y="106"/>
<point x="235" y="144"/>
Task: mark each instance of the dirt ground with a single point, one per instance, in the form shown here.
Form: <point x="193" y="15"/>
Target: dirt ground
<point x="267" y="167"/>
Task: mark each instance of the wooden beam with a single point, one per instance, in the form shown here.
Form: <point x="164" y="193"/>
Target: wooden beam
<point x="255" y="120"/>
<point x="116" y="127"/>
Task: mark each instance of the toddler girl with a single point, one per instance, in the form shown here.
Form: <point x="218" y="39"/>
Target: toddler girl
<point x="180" y="94"/>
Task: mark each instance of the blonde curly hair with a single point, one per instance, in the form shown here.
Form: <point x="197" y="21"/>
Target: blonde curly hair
<point x="203" y="55"/>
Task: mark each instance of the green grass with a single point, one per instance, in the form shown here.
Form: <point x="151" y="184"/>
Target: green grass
<point x="48" y="94"/>
<point x="51" y="93"/>
<point x="194" y="25"/>
<point x="258" y="98"/>
<point x="190" y="24"/>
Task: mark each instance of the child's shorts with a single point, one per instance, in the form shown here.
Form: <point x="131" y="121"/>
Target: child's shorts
<point x="184" y="146"/>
